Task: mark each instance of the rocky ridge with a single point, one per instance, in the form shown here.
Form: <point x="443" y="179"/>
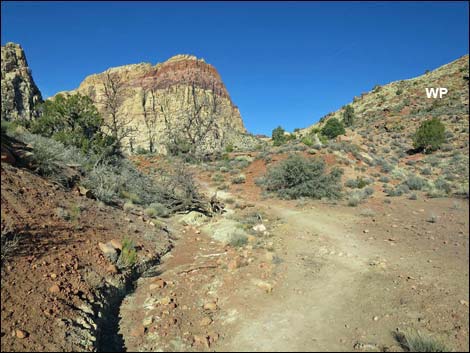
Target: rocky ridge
<point x="19" y="92"/>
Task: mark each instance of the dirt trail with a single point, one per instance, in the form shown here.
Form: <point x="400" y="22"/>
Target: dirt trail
<point x="335" y="287"/>
<point x="312" y="304"/>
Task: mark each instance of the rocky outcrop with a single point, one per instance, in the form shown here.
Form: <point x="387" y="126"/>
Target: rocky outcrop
<point x="180" y="101"/>
<point x="20" y="94"/>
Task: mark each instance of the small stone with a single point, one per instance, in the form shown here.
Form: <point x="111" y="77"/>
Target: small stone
<point x="21" y="334"/>
<point x="212" y="306"/>
<point x="165" y="301"/>
<point x="108" y="251"/>
<point x="53" y="275"/>
<point x="376" y="318"/>
<point x="366" y="231"/>
<point x="116" y="244"/>
<point x="259" y="228"/>
<point x="54" y="289"/>
<point x="206" y="321"/>
<point x="267" y="287"/>
<point x="464" y="303"/>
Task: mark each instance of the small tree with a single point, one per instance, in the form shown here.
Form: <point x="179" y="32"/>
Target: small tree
<point x="348" y="116"/>
<point x="278" y="136"/>
<point x="429" y="136"/>
<point x="333" y="128"/>
<point x="116" y="122"/>
<point x="74" y="121"/>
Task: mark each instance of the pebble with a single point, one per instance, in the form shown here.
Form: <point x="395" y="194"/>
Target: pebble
<point x="21" y="334"/>
<point x="206" y="321"/>
<point x="210" y="306"/>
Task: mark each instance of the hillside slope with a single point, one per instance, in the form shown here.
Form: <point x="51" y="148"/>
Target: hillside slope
<point x="398" y="107"/>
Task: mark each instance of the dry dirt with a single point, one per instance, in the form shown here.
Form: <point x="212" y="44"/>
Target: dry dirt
<point x="326" y="277"/>
<point x="323" y="276"/>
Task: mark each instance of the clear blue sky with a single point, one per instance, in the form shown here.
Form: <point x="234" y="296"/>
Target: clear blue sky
<point x="284" y="63"/>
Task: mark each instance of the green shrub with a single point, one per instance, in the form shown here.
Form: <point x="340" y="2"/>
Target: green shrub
<point x="348" y="116"/>
<point x="333" y="128"/>
<point x="298" y="176"/>
<point x="429" y="136"/>
<point x="278" y="136"/>
<point x="229" y="148"/>
<point x="74" y="121"/>
<point x="128" y="255"/>
<point x="307" y="140"/>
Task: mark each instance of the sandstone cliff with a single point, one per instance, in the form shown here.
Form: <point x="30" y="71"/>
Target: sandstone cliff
<point x="182" y="99"/>
<point x="20" y="94"/>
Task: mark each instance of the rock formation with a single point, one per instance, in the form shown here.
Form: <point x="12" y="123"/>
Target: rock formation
<point x="182" y="101"/>
<point x="20" y="94"/>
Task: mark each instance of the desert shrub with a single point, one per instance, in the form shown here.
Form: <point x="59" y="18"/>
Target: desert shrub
<point x="413" y="341"/>
<point x="217" y="177"/>
<point x="443" y="185"/>
<point x="128" y="255"/>
<point x="229" y="148"/>
<point x="49" y="157"/>
<point x="413" y="196"/>
<point x="415" y="182"/>
<point x="297" y="177"/>
<point x="384" y="179"/>
<point x="128" y="205"/>
<point x="398" y="190"/>
<point x="358" y="196"/>
<point x="429" y="136"/>
<point x="104" y="182"/>
<point x="426" y="171"/>
<point x="238" y="240"/>
<point x="333" y="128"/>
<point x="368" y="191"/>
<point x="239" y="179"/>
<point x="354" y="199"/>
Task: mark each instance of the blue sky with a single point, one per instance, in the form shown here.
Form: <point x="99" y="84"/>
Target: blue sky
<point x="284" y="63"/>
